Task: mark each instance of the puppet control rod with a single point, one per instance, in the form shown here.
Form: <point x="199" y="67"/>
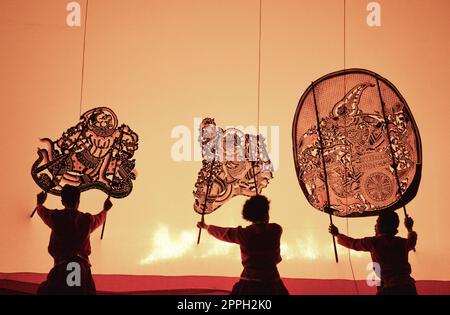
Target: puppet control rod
<point x="208" y="190"/>
<point x="327" y="207"/>
<point x="391" y="149"/>
<point x="114" y="172"/>
<point x="257" y="163"/>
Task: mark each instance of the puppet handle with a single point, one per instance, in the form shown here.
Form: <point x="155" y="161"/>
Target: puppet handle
<point x="335" y="249"/>
<point x="104" y="223"/>
<point x="208" y="190"/>
<point x="34" y="211"/>
<point x="199" y="235"/>
<point x="407" y="216"/>
<point x="324" y="168"/>
<point x="334" y="241"/>
<point x="115" y="170"/>
<point x="103" y="229"/>
<point x="200" y="230"/>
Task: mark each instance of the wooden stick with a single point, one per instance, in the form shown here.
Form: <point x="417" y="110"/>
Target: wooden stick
<point x="324" y="171"/>
<point x="114" y="172"/>
<point x="391" y="149"/>
<point x="334" y="240"/>
<point x="104" y="223"/>
<point x="256" y="162"/>
<point x="208" y="190"/>
<point x="34" y="211"/>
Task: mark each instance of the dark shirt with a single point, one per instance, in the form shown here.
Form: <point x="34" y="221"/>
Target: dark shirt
<point x="260" y="248"/>
<point x="391" y="252"/>
<point x="70" y="231"/>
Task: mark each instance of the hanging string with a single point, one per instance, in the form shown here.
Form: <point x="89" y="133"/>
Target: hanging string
<point x="81" y="93"/>
<point x="345" y="39"/>
<point x="84" y="50"/>
<point x="258" y="98"/>
<point x="82" y="90"/>
<point x="351" y="265"/>
<point x="259" y="66"/>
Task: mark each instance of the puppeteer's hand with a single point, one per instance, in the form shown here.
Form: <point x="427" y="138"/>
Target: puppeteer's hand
<point x="107" y="205"/>
<point x="202" y="225"/>
<point x="409" y="222"/>
<point x="41" y="197"/>
<point x="333" y="230"/>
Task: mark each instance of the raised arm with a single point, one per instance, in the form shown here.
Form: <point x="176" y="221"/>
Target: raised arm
<point x="358" y="244"/>
<point x="231" y="235"/>
<point x="99" y="219"/>
<point x="44" y="213"/>
<point x="412" y="235"/>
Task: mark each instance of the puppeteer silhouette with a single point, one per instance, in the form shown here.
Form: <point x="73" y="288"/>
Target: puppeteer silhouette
<point x="69" y="242"/>
<point x="260" y="249"/>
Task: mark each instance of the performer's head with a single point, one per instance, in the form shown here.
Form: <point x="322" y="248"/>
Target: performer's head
<point x="70" y="197"/>
<point x="256" y="209"/>
<point x="387" y="223"/>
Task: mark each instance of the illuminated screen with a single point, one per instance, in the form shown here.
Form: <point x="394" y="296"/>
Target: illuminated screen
<point x="163" y="66"/>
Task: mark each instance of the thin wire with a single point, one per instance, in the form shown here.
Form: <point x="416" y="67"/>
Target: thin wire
<point x="259" y="65"/>
<point x="345" y="126"/>
<point x="84" y="50"/>
<point x="259" y="95"/>
<point x="351" y="265"/>
<point x="345" y="26"/>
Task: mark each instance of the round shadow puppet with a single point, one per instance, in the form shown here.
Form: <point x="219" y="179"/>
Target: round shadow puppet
<point x="357" y="148"/>
<point x="94" y="154"/>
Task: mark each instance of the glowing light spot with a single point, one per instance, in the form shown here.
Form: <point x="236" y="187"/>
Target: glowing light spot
<point x="286" y="252"/>
<point x="167" y="247"/>
<point x="308" y="248"/>
<point x="342" y="251"/>
<point x="217" y="248"/>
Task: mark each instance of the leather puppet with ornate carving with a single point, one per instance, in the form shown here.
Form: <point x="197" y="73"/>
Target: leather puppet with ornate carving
<point x="96" y="153"/>
<point x="357" y="148"/>
<point x="233" y="164"/>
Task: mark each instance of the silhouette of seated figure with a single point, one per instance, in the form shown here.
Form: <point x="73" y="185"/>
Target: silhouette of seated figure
<point x="389" y="251"/>
<point x="260" y="249"/>
<point x="69" y="243"/>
